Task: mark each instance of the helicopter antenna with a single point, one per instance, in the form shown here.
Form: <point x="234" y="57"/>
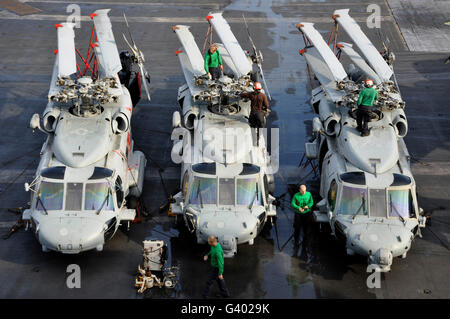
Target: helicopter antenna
<point x="258" y="58"/>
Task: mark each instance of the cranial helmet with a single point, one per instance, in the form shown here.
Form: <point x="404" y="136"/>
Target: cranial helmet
<point x="213" y="47"/>
<point x="257" y="86"/>
<point x="368" y="83"/>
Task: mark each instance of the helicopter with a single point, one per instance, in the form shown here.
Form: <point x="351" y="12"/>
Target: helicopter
<point x="90" y="176"/>
<point x="368" y="193"/>
<point x="226" y="175"/>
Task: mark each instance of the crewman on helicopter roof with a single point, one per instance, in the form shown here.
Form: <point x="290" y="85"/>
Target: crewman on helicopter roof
<point x="213" y="62"/>
<point x="365" y="106"/>
<point x="259" y="105"/>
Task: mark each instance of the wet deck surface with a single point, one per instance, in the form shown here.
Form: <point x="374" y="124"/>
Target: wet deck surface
<point x="261" y="270"/>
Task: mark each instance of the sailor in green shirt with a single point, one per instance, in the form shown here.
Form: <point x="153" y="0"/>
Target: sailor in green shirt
<point x="302" y="202"/>
<point x="213" y="62"/>
<point x="365" y="104"/>
<point x="216" y="271"/>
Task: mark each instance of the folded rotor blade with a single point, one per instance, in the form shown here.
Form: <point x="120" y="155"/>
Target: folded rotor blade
<point x="191" y="49"/>
<point x="359" y="62"/>
<point x="322" y="71"/>
<point x="189" y="74"/>
<point x="366" y="47"/>
<point x="223" y="30"/>
<point x="107" y="43"/>
<point x="264" y="82"/>
<point x="67" y="63"/>
<point x="227" y="58"/>
<point x="328" y="57"/>
<point x="53" y="86"/>
<point x="144" y="80"/>
<point x="101" y="63"/>
<point x="258" y="60"/>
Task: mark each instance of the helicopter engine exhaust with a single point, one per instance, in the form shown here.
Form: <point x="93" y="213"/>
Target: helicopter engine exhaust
<point x="400" y="123"/>
<point x="190" y="113"/>
<point x="331" y="124"/>
<point x="121" y="120"/>
<point x="189" y="119"/>
<point x="50" y="119"/>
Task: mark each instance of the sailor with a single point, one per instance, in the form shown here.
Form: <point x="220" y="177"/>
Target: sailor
<point x="302" y="203"/>
<point x="259" y="106"/>
<point x="213" y="62"/>
<point x="216" y="271"/>
<point x="365" y="105"/>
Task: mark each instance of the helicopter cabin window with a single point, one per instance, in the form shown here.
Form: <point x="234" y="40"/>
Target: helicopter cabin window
<point x="248" y="191"/>
<point x="400" y="203"/>
<point x="332" y="195"/>
<point x="353" y="201"/>
<point x="98" y="197"/>
<point x="74" y="196"/>
<point x="226" y="191"/>
<point x="203" y="191"/>
<point x="50" y="196"/>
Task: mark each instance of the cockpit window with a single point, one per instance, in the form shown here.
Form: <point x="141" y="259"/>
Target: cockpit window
<point x="400" y="180"/>
<point x="98" y="197"/>
<point x="377" y="202"/>
<point x="400" y="203"/>
<point x="353" y="201"/>
<point x="226" y="191"/>
<point x="56" y="172"/>
<point x="50" y="196"/>
<point x="203" y="191"/>
<point x="248" y="191"/>
<point x="354" y="178"/>
<point x="74" y="196"/>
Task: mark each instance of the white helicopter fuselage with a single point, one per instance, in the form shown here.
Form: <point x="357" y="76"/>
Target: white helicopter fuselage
<point x="367" y="188"/>
<point x="225" y="180"/>
<point x="363" y="180"/>
<point x="89" y="177"/>
<point x="86" y="172"/>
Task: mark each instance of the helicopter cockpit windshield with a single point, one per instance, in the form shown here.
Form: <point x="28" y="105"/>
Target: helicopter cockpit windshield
<point x="50" y="196"/>
<point x="226" y="191"/>
<point x="55" y="195"/>
<point x="395" y="201"/>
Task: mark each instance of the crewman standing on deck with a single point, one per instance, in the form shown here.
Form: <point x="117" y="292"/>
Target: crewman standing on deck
<point x="302" y="202"/>
<point x="216" y="270"/>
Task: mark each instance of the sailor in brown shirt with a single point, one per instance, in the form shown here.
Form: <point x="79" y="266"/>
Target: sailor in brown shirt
<point x="259" y="104"/>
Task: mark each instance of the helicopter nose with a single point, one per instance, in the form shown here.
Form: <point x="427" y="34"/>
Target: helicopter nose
<point x="242" y="226"/>
<point x="71" y="235"/>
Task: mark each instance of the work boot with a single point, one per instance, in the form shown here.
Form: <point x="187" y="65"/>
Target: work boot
<point x="366" y="133"/>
